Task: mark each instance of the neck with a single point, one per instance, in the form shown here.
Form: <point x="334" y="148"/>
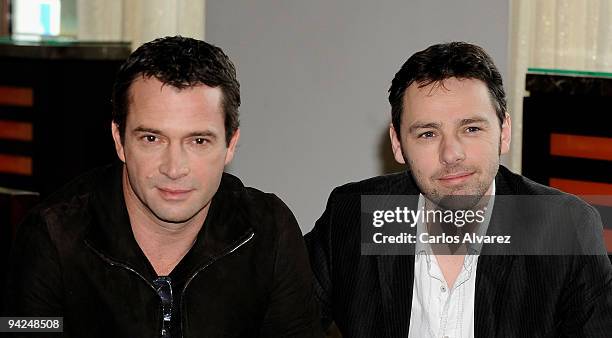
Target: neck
<point x="163" y="243"/>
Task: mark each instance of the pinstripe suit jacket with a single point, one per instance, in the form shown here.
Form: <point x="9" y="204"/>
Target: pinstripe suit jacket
<point x="516" y="296"/>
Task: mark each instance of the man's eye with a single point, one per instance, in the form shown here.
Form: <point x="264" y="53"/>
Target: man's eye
<point x="472" y="129"/>
<point x="150" y="138"/>
<point x="427" y="134"/>
<point x="200" y="140"/>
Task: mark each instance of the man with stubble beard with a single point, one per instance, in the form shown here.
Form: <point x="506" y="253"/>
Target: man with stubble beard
<point x="449" y="127"/>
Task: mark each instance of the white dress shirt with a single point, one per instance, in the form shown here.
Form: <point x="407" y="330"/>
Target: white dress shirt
<point x="437" y="310"/>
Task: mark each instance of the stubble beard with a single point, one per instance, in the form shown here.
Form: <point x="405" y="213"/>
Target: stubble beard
<point x="467" y="200"/>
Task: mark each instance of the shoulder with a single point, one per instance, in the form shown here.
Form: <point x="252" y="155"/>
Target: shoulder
<point x="260" y="208"/>
<point x="509" y="183"/>
<point x="86" y="183"/>
<point x="79" y="190"/>
<point x="546" y="212"/>
<point x="235" y="192"/>
<point x="346" y="199"/>
<point x="67" y="209"/>
<point x="342" y="213"/>
<point x="390" y="184"/>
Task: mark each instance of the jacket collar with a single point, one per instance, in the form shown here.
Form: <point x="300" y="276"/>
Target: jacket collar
<point x="110" y="234"/>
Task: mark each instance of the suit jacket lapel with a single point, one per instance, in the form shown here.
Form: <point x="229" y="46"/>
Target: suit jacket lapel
<point x="492" y="277"/>
<point x="396" y="276"/>
<point x="493" y="270"/>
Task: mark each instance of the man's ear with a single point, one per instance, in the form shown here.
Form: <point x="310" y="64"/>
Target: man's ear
<point x="506" y="135"/>
<point x="396" y="145"/>
<point x="231" y="148"/>
<point x="117" y="139"/>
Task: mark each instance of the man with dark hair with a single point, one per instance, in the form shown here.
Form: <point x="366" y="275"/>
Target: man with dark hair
<point x="380" y="273"/>
<point x="164" y="243"/>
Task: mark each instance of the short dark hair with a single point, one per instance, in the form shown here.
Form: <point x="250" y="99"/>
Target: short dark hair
<point x="181" y="63"/>
<point x="440" y="62"/>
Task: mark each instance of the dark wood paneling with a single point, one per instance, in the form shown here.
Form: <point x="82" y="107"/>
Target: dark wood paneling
<point x="567" y="138"/>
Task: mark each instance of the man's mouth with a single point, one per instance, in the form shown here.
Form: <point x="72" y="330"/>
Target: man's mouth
<point x="455" y="178"/>
<point x="173" y="193"/>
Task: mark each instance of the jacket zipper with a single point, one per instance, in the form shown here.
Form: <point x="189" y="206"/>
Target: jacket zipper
<point x="214" y="259"/>
<point x="115" y="263"/>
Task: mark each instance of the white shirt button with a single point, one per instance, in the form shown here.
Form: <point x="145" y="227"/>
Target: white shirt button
<point x="443" y="289"/>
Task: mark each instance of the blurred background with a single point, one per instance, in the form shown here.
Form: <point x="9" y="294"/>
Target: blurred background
<point x="314" y="76"/>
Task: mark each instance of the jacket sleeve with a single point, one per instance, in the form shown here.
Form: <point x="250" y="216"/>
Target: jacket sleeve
<point x="586" y="306"/>
<point x="33" y="285"/>
<point x="292" y="309"/>
<point x="318" y="242"/>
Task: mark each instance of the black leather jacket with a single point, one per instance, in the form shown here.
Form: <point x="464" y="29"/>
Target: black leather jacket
<point x="247" y="274"/>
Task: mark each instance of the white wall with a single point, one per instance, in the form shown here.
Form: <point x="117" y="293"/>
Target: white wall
<point x="314" y="76"/>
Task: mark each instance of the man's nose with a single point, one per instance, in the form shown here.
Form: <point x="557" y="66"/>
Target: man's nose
<point x="175" y="163"/>
<point x="451" y="151"/>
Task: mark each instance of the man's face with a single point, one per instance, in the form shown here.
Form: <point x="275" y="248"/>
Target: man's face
<point x="451" y="138"/>
<point x="174" y="149"/>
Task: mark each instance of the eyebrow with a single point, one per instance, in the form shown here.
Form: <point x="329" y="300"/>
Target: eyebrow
<point x="473" y="120"/>
<point x="435" y="125"/>
<point x="141" y="129"/>
<point x="423" y="125"/>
